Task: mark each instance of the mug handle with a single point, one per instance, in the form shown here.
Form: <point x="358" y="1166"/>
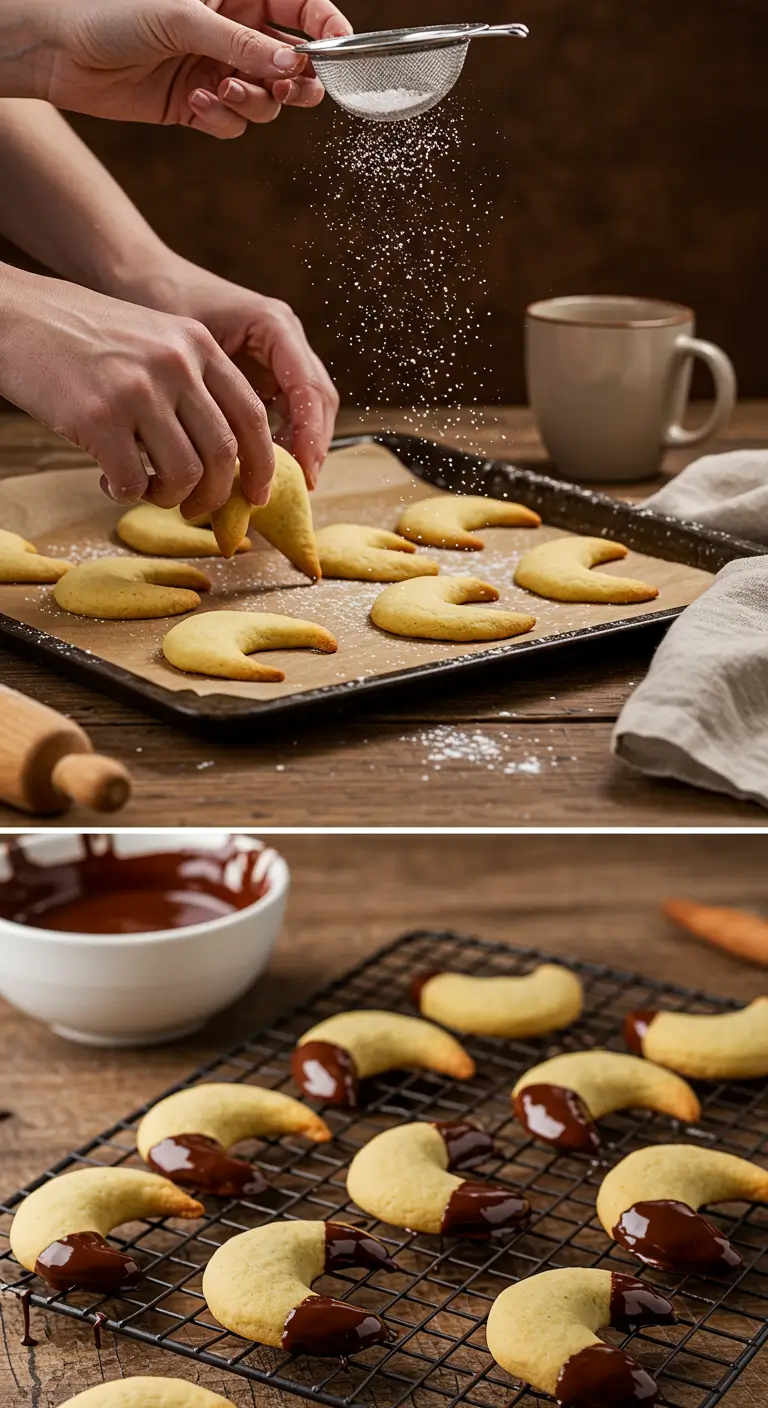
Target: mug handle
<point x="724" y="378"/>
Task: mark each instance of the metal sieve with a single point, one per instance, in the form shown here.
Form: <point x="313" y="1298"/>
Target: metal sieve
<point x="393" y="74"/>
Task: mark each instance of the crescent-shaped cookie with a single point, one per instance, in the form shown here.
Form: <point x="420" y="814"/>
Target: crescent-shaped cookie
<point x="361" y="554"/>
<point x="435" y="608"/>
<point x="221" y="643"/>
<point x="143" y="1392"/>
<point x="162" y="532"/>
<point x="285" y="521"/>
<point x="543" y="1330"/>
<point x="59" y="1230"/>
<point x="187" y="1136"/>
<point x="21" y="562"/>
<point x="444" y="520"/>
<point x="404" y="1176"/>
<point x="560" y="571"/>
<point x="546" y="1000"/>
<point x="703" y="1046"/>
<point x="126" y="589"/>
<point x="560" y="1100"/>
<point x="649" y="1203"/>
<point x="331" y="1059"/>
<point x="259" y="1285"/>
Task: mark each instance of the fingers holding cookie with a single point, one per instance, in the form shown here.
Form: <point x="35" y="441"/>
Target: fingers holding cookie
<point x="436" y="608"/>
<point x="21" y="562"/>
<point x="445" y="520"/>
<point x="125" y="589"/>
<point x="546" y="1000"/>
<point x="331" y="1059"/>
<point x="561" y="571"/>
<point x="162" y="532"/>
<point x="362" y="554"/>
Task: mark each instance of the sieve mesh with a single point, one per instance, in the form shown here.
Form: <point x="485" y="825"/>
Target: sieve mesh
<point x="391" y="87"/>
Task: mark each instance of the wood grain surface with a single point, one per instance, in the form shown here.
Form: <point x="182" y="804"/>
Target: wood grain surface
<point x="593" y="898"/>
<point x="528" y="745"/>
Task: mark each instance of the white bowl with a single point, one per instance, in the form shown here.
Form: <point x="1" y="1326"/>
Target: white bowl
<point x="136" y="989"/>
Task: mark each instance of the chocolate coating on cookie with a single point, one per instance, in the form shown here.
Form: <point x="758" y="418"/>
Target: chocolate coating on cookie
<point x="601" y="1376"/>
<point x="84" y="1261"/>
<point x="333" y="1328"/>
<point x="466" y="1146"/>
<point x="419" y="983"/>
<point x="634" y="1304"/>
<point x="669" y="1234"/>
<point x="324" y="1071"/>
<point x="353" y="1246"/>
<point x="635" y="1028"/>
<point x="558" y="1116"/>
<point x="198" y="1161"/>
<point x="478" y="1210"/>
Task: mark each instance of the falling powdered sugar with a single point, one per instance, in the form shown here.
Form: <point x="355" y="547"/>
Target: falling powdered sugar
<point x="388" y="100"/>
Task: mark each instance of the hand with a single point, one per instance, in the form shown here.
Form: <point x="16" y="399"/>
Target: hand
<point x="112" y="376"/>
<point x="211" y="64"/>
<point x="266" y="342"/>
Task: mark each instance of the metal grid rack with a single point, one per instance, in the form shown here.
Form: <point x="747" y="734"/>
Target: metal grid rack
<point x="440" y="1296"/>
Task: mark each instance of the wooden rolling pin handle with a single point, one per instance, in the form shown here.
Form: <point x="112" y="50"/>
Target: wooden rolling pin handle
<point x="100" y="783"/>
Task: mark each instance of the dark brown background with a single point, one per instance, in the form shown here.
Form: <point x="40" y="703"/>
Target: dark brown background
<point x="623" y="145"/>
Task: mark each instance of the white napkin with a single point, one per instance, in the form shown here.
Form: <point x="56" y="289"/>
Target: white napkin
<point x="701" y="714"/>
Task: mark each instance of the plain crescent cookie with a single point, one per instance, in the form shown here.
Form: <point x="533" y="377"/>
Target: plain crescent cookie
<point x="443" y="520"/>
<point x="360" y="554"/>
<point x="147" y="1393"/>
<point x="436" y="608"/>
<point x="560" y="571"/>
<point x="21" y="562"/>
<point x="162" y="532"/>
<point x="220" y="643"/>
<point x="285" y="521"/>
<point x="126" y="589"/>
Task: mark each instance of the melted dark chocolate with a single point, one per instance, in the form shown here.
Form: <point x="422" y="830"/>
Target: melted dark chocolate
<point x="27" y="1342"/>
<point x="85" y="1262"/>
<point x="353" y="1246"/>
<point x="419" y="983"/>
<point x="99" y="1319"/>
<point x="333" y="1329"/>
<point x="635" y="1028"/>
<point x="324" y="1071"/>
<point x="197" y="1161"/>
<point x="603" y="1377"/>
<point x="634" y="1304"/>
<point x="479" y="1210"/>
<point x="558" y="1116"/>
<point x="106" y="893"/>
<point x="466" y="1145"/>
<point x="671" y="1235"/>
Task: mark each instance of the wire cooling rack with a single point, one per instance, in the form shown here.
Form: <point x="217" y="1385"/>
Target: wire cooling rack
<point x="439" y="1298"/>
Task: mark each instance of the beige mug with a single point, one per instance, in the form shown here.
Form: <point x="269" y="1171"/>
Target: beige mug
<point x="609" y="380"/>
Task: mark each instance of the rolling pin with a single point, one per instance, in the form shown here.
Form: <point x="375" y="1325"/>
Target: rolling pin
<point x="47" y="762"/>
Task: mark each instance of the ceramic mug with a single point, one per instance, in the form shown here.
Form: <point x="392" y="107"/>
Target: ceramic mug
<point x="609" y="379"/>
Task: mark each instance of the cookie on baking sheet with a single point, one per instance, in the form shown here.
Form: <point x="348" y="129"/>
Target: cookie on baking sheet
<point x="127" y="589"/>
<point x="703" y="1046"/>
<point x="143" y="1392"/>
<point x="331" y="1059"/>
<point x="444" y="520"/>
<point x="162" y="532"/>
<point x="560" y="1100"/>
<point x="546" y="1000"/>
<point x="60" y="1229"/>
<point x="21" y="562"/>
<point x="362" y="554"/>
<point x="435" y="608"/>
<point x="285" y="521"/>
<point x="543" y="1330"/>
<point x="561" y="571"/>
<point x="405" y="1176"/>
<point x="221" y="643"/>
<point x="259" y="1285"/>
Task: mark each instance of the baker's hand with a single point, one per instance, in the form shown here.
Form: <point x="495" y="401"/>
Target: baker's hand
<point x="266" y="342"/>
<point x="111" y="376"/>
<point x="212" y="64"/>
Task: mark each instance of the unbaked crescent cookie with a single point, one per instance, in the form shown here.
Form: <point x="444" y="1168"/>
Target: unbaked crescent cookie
<point x="128" y="589"/>
<point x="362" y="554"/>
<point x="143" y="1392"/>
<point x="443" y="520"/>
<point x="162" y="532"/>
<point x="560" y="571"/>
<point x="546" y="1000"/>
<point x="331" y="1059"/>
<point x="221" y="643"/>
<point x="703" y="1046"/>
<point x="21" y="562"/>
<point x="435" y="608"/>
<point x="285" y="521"/>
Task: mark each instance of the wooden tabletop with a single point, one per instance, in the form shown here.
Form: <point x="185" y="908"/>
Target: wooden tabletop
<point x="525" y="745"/>
<point x="580" y="897"/>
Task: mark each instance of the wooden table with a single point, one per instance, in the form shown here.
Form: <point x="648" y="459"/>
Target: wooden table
<point x="436" y="757"/>
<point x="586" y="897"/>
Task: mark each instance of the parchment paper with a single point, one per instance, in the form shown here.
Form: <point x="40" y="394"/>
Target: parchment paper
<point x="66" y="515"/>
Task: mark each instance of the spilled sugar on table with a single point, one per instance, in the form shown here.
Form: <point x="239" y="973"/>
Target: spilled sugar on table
<point x="526" y="745"/>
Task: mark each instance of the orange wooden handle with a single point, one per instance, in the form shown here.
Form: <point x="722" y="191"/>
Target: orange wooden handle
<point x="100" y="783"/>
<point x="736" y="930"/>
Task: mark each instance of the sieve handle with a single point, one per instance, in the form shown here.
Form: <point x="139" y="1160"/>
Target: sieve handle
<point x="515" y="31"/>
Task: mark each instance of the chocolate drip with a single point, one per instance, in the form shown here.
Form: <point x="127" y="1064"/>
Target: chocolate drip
<point x="197" y="1161"/>
<point x="558" y="1116"/>
<point x="671" y="1235"/>
<point x="331" y="1328"/>
<point x="634" y="1303"/>
<point x="5" y="1115"/>
<point x="353" y="1246"/>
<point x="479" y="1210"/>
<point x="603" y="1377"/>
<point x="419" y="983"/>
<point x="84" y="1262"/>
<point x="466" y="1145"/>
<point x="327" y="1072"/>
<point x="106" y="893"/>
<point x="635" y="1028"/>
<point x="27" y="1342"/>
<point x="99" y="1319"/>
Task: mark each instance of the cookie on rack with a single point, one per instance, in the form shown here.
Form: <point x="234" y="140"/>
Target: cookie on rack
<point x="545" y="1000"/>
<point x="447" y="520"/>
<point x="560" y="570"/>
<point x="20" y="562"/>
<point x="222" y="643"/>
<point x="438" y="608"/>
<point x="703" y="1046"/>
<point x="331" y="1059"/>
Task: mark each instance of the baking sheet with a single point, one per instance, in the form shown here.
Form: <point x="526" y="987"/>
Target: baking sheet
<point x="65" y="514"/>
